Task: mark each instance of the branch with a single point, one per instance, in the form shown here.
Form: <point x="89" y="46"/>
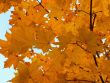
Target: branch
<point x="40" y="3"/>
<point x="91" y="29"/>
<point x="97" y="54"/>
<point x="42" y="6"/>
<point x="101" y="78"/>
<point x="94" y="57"/>
<point x="91" y="25"/>
<point x="96" y="63"/>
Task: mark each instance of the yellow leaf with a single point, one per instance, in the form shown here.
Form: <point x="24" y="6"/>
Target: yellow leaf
<point x="12" y="60"/>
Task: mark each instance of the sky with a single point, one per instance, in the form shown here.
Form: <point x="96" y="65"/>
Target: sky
<point x="5" y="73"/>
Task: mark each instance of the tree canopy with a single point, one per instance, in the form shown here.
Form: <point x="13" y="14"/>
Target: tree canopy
<point x="70" y="34"/>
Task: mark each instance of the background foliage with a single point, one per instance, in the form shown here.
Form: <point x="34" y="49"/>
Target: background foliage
<point x="72" y="50"/>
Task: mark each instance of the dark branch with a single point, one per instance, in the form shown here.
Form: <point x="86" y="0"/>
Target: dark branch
<point x="97" y="54"/>
<point x="94" y="57"/>
<point x="40" y="3"/>
<point x="91" y="24"/>
<point x="101" y="79"/>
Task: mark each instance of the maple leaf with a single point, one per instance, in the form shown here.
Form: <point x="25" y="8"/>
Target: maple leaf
<point x="58" y="59"/>
<point x="23" y="71"/>
<point x="65" y="39"/>
<point x="20" y="39"/>
<point x="103" y="66"/>
<point x="61" y="6"/>
<point x="4" y="7"/>
<point x="90" y="40"/>
<point x="103" y="23"/>
<point x="11" y="60"/>
<point x="78" y="63"/>
<point x="6" y="4"/>
<point x="44" y="38"/>
<point x="38" y="24"/>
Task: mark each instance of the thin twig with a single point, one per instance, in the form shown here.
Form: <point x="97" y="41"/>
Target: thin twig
<point x="101" y="79"/>
<point x="42" y="6"/>
<point x="40" y="3"/>
<point x="94" y="18"/>
<point x="94" y="57"/>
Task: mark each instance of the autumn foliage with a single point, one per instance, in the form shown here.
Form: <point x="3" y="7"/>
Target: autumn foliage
<point x="71" y="35"/>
